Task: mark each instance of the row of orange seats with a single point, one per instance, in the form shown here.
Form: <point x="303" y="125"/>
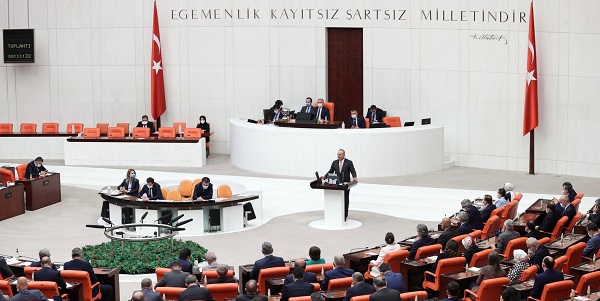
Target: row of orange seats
<point x="47" y="128"/>
<point x="163" y="132"/>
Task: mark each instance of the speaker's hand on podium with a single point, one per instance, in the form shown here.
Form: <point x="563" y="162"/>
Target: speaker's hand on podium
<point x="355" y="179"/>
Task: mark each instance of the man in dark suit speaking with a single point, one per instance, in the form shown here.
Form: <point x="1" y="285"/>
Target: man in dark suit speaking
<point x="343" y="167"/>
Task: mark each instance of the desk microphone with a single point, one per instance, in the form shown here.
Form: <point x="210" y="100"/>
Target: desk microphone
<point x="183" y="223"/>
<point x="164" y="217"/>
<point x="177" y="229"/>
<point x="175" y="219"/>
<point x="143" y="217"/>
<point x="96" y="226"/>
<point x="107" y="221"/>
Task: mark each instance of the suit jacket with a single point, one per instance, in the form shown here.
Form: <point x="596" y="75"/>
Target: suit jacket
<point x="156" y="192"/>
<point x="29" y="295"/>
<point x="297" y="288"/>
<point x="558" y="208"/>
<point x="174" y="278"/>
<point x="38" y="264"/>
<point x="250" y="297"/>
<point x="538" y="256"/>
<point x="359" y="290"/>
<point x="464" y="228"/>
<point x="186" y="266"/>
<point x="135" y="186"/>
<point x="149" y="125"/>
<point x="504" y="238"/>
<point x="338" y="272"/>
<point x="446" y="236"/>
<point x="4" y="269"/>
<point x="470" y="252"/>
<point x="324" y="113"/>
<point x="33" y="170"/>
<point x="548" y="276"/>
<point x="535" y="234"/>
<point x="594" y="218"/>
<point x="268" y="261"/>
<point x="309" y="109"/>
<point x="80" y="265"/>
<point x="550" y="221"/>
<point x="452" y="299"/>
<point x="360" y="122"/>
<point x="196" y="293"/>
<point x="347" y="169"/>
<point x="569" y="211"/>
<point x="308" y="277"/>
<point x="221" y="280"/>
<point x="385" y="294"/>
<point x="205" y="194"/>
<point x="423" y="241"/>
<point x="474" y="218"/>
<point x="592" y="246"/>
<point x="395" y="281"/>
<point x="486" y="212"/>
<point x="48" y="274"/>
<point x="378" y="115"/>
<point x="272" y="115"/>
<point x="151" y="295"/>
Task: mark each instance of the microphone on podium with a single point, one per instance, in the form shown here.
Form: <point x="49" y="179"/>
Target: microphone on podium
<point x="143" y="217"/>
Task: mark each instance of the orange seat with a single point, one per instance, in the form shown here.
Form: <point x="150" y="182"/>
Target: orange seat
<point x="510" y="211"/>
<point x="196" y="182"/>
<point x="317" y="287"/>
<point x="591" y="280"/>
<point x="574" y="255"/>
<point x="212" y="274"/>
<point x="490" y="289"/>
<point x="21" y="171"/>
<point x="458" y="239"/>
<point x="513" y="244"/>
<point x="557" y="228"/>
<point x="192" y="133"/>
<point x="125" y="126"/>
<point x="6" y="176"/>
<point x="410" y="296"/>
<point x="579" y="196"/>
<point x="116" y="132"/>
<point x="498" y="212"/>
<point x="173" y="195"/>
<point x="475" y="234"/>
<point x="490" y="227"/>
<point x="330" y="106"/>
<point x="480" y="258"/>
<point x="166" y="132"/>
<point x="176" y="126"/>
<point x="392" y="121"/>
<point x="339" y="284"/>
<point x="141" y="132"/>
<point x="303" y="298"/>
<point x="28" y="128"/>
<point x="555" y="291"/>
<point x="224" y="191"/>
<point x="103" y="128"/>
<point x="84" y="278"/>
<point x="576" y="203"/>
<point x="74" y="128"/>
<point x="170" y="293"/>
<point x="445" y="266"/>
<point x="268" y="273"/>
<point x="529" y="273"/>
<point x="164" y="191"/>
<point x="367" y="123"/>
<point x="160" y="273"/>
<point x="6" y="128"/>
<point x="223" y="291"/>
<point x="316" y="268"/>
<point x="361" y="298"/>
<point x="6" y="288"/>
<point x="186" y="189"/>
<point x="393" y="259"/>
<point x="559" y="263"/>
<point x="575" y="219"/>
<point x="426" y="251"/>
<point x="48" y="288"/>
<point x="29" y="271"/>
<point x="91" y="133"/>
<point x="50" y="128"/>
<point x="544" y="241"/>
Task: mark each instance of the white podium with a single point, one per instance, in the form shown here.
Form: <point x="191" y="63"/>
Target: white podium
<point x="333" y="205"/>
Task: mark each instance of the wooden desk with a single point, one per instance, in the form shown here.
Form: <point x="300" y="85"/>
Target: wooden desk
<point x="568" y="240"/>
<point x="334" y="295"/>
<point x="524" y="288"/>
<point x="414" y="267"/>
<point x="592" y="296"/>
<point x="42" y="191"/>
<point x="11" y="201"/>
<point x="109" y="276"/>
<point x="584" y="268"/>
<point x="244" y="272"/>
<point x="409" y="241"/>
<point x="309" y="125"/>
<point x="463" y="279"/>
<point x="488" y="243"/>
<point x="538" y="206"/>
<point x="359" y="260"/>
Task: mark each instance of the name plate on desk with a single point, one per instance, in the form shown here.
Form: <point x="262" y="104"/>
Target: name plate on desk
<point x="8" y="195"/>
<point x="46" y="182"/>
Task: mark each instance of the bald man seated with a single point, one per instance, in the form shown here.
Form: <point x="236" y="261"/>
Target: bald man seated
<point x="339" y="271"/>
<point x="25" y="294"/>
<point x="251" y="293"/>
<point x="448" y="234"/>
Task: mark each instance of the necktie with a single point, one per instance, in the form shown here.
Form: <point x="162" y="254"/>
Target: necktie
<point x="319" y="114"/>
<point x="373" y="116"/>
<point x="355" y="123"/>
<point x="341" y="166"/>
<point x="150" y="192"/>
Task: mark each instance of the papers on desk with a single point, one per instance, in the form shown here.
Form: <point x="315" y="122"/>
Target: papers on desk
<point x="431" y="258"/>
<point x="25" y="264"/>
<point x="219" y="199"/>
<point x="474" y="269"/>
<point x="582" y="298"/>
<point x="371" y="253"/>
<point x="411" y="240"/>
<point x="69" y="285"/>
<point x="12" y="260"/>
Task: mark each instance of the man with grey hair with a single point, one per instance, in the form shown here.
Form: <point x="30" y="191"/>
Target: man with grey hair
<point x="507" y="235"/>
<point x="423" y="239"/>
<point x="194" y="291"/>
<point x="79" y="264"/>
<point x="339" y="271"/>
<point x="508" y="187"/>
<point x="536" y="252"/>
<point x="569" y="210"/>
<point x="316" y="296"/>
<point x="359" y="287"/>
<point x="148" y="292"/>
<point x="463" y="220"/>
<point x="269" y="261"/>
<point x="222" y="271"/>
<point x="210" y="262"/>
<point x="473" y="213"/>
<point x="251" y="293"/>
<point x="138" y="296"/>
<point x="383" y="293"/>
<point x="42" y="253"/>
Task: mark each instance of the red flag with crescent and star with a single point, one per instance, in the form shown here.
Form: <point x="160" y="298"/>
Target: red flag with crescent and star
<point x="530" y="114"/>
<point x="157" y="82"/>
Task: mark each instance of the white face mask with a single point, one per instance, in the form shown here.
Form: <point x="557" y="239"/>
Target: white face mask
<point x="149" y="187"/>
<point x="276" y="111"/>
<point x="202" y="121"/>
<point x="205" y="186"/>
<point x="353" y="116"/>
<point x="144" y="122"/>
<point x="38" y="165"/>
<point x="320" y="105"/>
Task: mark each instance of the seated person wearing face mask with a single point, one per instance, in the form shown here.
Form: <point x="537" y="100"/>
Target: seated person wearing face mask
<point x="308" y="108"/>
<point x="130" y="184"/>
<point x="152" y="191"/>
<point x="35" y="168"/>
<point x="322" y="113"/>
<point x="356" y="121"/>
<point x="204" y="126"/>
<point x="146" y="124"/>
<point x="203" y="190"/>
<point x="275" y="114"/>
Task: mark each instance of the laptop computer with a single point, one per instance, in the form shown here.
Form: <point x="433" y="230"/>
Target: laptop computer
<point x="409" y="123"/>
<point x="425" y="121"/>
<point x="304" y="117"/>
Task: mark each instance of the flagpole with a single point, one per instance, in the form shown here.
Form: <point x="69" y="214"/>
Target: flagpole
<point x="531" y="153"/>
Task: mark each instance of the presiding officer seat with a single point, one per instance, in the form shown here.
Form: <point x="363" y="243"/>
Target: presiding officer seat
<point x="50" y="128"/>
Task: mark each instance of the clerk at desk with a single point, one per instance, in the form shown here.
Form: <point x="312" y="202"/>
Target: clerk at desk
<point x="146" y="124"/>
<point x="203" y="190"/>
<point x="35" y="168"/>
<point x="130" y="184"/>
<point x="151" y="191"/>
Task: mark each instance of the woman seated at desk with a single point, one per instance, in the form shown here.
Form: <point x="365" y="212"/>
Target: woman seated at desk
<point x="204" y="126"/>
<point x="130" y="184"/>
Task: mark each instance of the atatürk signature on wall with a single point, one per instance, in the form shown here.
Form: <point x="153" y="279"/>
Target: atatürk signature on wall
<point x="490" y="37"/>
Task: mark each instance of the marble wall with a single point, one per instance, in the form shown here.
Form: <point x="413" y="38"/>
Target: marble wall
<point x="93" y="62"/>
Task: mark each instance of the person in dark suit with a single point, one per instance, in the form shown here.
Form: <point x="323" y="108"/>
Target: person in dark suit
<point x="549" y="219"/>
<point x="470" y="248"/>
<point x="593" y="215"/>
<point x="184" y="260"/>
<point x="569" y="191"/>
<point x="130" y="184"/>
<point x="204" y="127"/>
<point x="25" y="294"/>
<point x="308" y="108"/>
<point x="507" y="235"/>
<point x="35" y="168"/>
<point x="593" y="244"/>
<point x="465" y="227"/>
<point x="548" y="276"/>
<point x="424" y="240"/>
<point x="151" y="190"/>
<point x="309" y="277"/>
<point x="359" y="287"/>
<point x="298" y="288"/>
<point x="339" y="271"/>
<point x="474" y="215"/>
<point x="146" y="124"/>
<point x="174" y="278"/>
<point x="536" y="252"/>
<point x="356" y="121"/>
<point x="343" y="168"/>
<point x="275" y="114"/>
<point x="203" y="190"/>
<point x="78" y="264"/>
<point x="5" y="270"/>
<point x="449" y="232"/>
<point x="138" y="296"/>
<point x="531" y="230"/>
<point x="450" y="251"/>
<point x="46" y="273"/>
<point x="383" y="293"/>
<point x="269" y="261"/>
<point x="393" y="280"/>
<point x="321" y="112"/>
<point x="149" y="293"/>
<point x="489" y="207"/>
<point x="251" y="292"/>
<point x="194" y="291"/>
<point x="570" y="210"/>
<point x="42" y="253"/>
<point x="452" y="290"/>
<point x="375" y="114"/>
<point x="222" y="275"/>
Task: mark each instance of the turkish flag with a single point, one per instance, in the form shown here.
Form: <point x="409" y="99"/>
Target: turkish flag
<point x="530" y="114"/>
<point x="157" y="81"/>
